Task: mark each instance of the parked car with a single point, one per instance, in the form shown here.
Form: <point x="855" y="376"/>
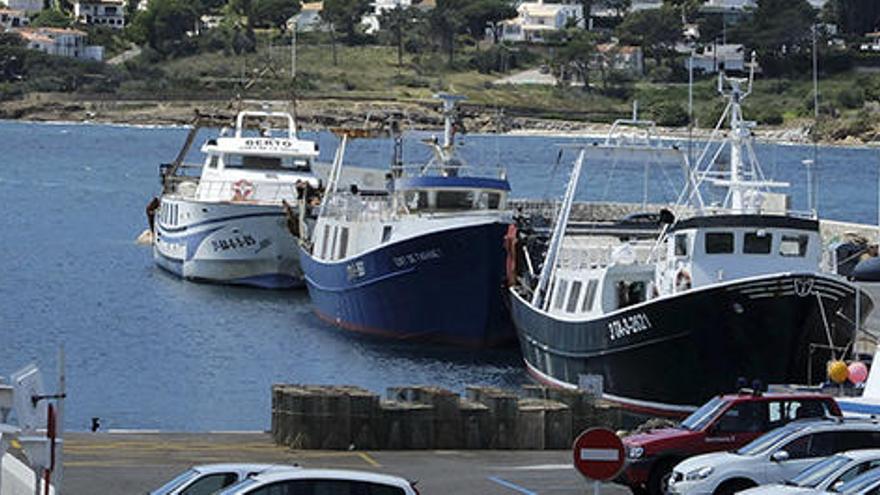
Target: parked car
<point x="210" y="478"/>
<point x="773" y="457"/>
<point x="322" y="482"/>
<point x="865" y="484"/>
<point x="726" y="422"/>
<point x="825" y="475"/>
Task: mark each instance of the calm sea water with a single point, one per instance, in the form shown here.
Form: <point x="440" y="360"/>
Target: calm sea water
<point x="145" y="350"/>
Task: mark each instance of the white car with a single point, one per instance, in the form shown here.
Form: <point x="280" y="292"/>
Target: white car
<point x="772" y="458"/>
<point x="825" y="475"/>
<point x="322" y="482"/>
<point x="864" y="484"/>
<point x="211" y="478"/>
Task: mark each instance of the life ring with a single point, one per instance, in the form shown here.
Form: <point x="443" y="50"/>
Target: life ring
<point x="510" y="247"/>
<point x="683" y="281"/>
<point x="242" y="190"/>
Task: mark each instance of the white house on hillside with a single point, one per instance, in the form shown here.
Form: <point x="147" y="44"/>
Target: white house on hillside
<point x="61" y="42"/>
<point x="109" y="13"/>
<point x="10" y="19"/>
<point x="715" y="57"/>
<point x="308" y="19"/>
<point x="371" y="20"/>
<point x="536" y="19"/>
<point x="623" y="58"/>
<point x="27" y="6"/>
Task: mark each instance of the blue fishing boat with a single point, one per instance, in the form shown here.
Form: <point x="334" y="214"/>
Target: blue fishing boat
<point x="422" y="260"/>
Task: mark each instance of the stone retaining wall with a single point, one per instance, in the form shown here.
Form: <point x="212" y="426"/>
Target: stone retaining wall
<point x="416" y="417"/>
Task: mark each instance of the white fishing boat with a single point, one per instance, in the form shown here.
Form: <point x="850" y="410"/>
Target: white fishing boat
<point x="227" y="224"/>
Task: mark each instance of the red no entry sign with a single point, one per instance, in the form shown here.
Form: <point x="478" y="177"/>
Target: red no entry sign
<point x="599" y="454"/>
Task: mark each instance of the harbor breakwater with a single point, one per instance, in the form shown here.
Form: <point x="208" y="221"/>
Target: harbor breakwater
<point x="423" y="417"/>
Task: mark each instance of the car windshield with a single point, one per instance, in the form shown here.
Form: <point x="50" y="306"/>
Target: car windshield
<point x="237" y="487"/>
<point x="860" y="482"/>
<point x="768" y="440"/>
<point x="702" y="416"/>
<point x="819" y="472"/>
<point x="176" y="482"/>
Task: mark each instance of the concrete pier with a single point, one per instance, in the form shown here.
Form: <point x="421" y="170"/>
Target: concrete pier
<point x="426" y="418"/>
<point x="122" y="463"/>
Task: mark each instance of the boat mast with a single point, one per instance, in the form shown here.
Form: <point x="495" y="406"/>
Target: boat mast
<point x="745" y="181"/>
<point x="538" y="299"/>
<point x="739" y="134"/>
<point x="449" y="102"/>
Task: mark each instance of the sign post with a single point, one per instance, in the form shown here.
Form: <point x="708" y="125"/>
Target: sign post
<point x="599" y="455"/>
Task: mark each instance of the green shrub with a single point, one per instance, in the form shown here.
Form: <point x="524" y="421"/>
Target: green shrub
<point x="851" y="97"/>
<point x="501" y="58"/>
<point x="669" y="113"/>
<point x="410" y="81"/>
<point x="768" y="115"/>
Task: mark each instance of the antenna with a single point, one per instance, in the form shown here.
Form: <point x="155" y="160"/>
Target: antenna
<point x="449" y="102"/>
<point x="751" y="75"/>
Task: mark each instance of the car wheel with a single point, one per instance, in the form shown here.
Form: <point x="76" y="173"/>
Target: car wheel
<point x="658" y="480"/>
<point x="733" y="486"/>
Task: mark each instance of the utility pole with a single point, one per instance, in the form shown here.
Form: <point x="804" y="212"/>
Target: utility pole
<point x="814" y="195"/>
<point x="815" y="78"/>
<point x="690" y="104"/>
<point x="293" y="50"/>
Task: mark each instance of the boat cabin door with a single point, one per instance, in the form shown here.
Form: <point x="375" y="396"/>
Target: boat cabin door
<point x="678" y="276"/>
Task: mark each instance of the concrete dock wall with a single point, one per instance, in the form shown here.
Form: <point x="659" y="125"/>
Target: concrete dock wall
<point x="416" y="417"/>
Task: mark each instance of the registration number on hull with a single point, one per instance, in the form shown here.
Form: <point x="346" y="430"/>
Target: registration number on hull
<point x="628" y="325"/>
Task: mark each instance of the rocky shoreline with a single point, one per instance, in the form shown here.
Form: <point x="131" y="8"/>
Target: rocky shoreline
<point x="316" y="114"/>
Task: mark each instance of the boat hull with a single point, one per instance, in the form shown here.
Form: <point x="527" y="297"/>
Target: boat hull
<point x="444" y="287"/>
<point x="668" y="355"/>
<point x="239" y="244"/>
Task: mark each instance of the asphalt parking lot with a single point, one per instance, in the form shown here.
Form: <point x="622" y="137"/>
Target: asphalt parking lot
<point x="134" y="463"/>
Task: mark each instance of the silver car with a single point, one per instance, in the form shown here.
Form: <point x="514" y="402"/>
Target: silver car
<point x="211" y="478"/>
<point x="828" y="474"/>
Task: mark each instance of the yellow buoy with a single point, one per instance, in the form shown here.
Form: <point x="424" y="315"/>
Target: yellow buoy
<point x="837" y="371"/>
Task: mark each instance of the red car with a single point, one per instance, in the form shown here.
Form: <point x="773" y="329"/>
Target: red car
<point x="724" y="423"/>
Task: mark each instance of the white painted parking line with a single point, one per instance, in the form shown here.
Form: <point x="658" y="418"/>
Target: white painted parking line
<point x="512" y="486"/>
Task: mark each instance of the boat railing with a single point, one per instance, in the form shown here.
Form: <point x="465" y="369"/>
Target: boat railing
<point x="185" y="172"/>
<point x="246" y="191"/>
<point x="354" y="207"/>
<point x="438" y="169"/>
<point x="587" y="254"/>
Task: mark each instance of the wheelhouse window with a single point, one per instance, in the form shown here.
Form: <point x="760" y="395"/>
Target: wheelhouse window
<point x="719" y="242"/>
<point x="455" y="200"/>
<point x="794" y="245"/>
<point x="757" y="243"/>
<point x="386" y="233"/>
<point x="494" y="201"/>
<point x="212" y="163"/>
<point x="416" y="200"/>
<point x="681" y="245"/>
<point x="257" y="162"/>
